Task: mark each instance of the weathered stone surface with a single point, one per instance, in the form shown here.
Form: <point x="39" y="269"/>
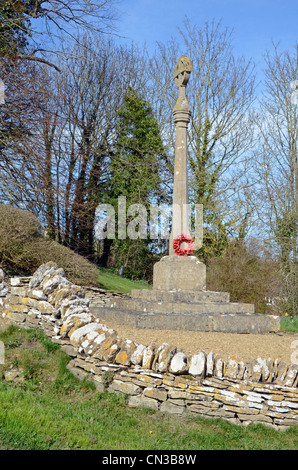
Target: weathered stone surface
<point x="78" y="334"/>
<point x="210" y="364"/>
<point x="179" y="364"/>
<point x="148" y="356"/>
<point x="37" y="294"/>
<point x="19" y="281"/>
<point x="232" y="368"/>
<point x="291" y="376"/>
<point x="123" y="357"/>
<point x="3" y="290"/>
<point x="74" y="322"/>
<point x="124" y="387"/>
<point x="167" y="407"/>
<point x="156" y="393"/>
<point x="48" y="286"/>
<point x="163" y="357"/>
<point x="77" y="372"/>
<point x="142" y="402"/>
<point x="179" y="273"/>
<point x="41" y="272"/>
<point x="108" y="348"/>
<point x="197" y="366"/>
<point x="69" y="292"/>
<point x="137" y="355"/>
<point x="73" y="306"/>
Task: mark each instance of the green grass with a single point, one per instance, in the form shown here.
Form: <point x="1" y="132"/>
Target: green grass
<point x="116" y="283"/>
<point x="289" y="324"/>
<point x="49" y="409"/>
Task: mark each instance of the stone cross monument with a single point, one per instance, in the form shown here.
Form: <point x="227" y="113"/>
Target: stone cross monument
<point x="175" y="272"/>
<point x="179" y="299"/>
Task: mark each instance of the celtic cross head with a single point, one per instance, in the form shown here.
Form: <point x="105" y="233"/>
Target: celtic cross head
<point x="182" y="71"/>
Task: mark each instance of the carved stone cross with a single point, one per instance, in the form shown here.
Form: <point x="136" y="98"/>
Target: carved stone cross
<point x="181" y="113"/>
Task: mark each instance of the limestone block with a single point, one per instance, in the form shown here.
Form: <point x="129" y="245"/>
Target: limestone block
<point x="124" y="387"/>
<point x="78" y="334"/>
<point x="40" y="273"/>
<point x="163" y="357"/>
<point x="74" y="322"/>
<point x="137" y="355"/>
<point x="210" y="364"/>
<point x="69" y="292"/>
<point x="37" y="294"/>
<point x="291" y="377"/>
<point x="49" y="285"/>
<point x="19" y="281"/>
<point x="20" y="291"/>
<point x="179" y="273"/>
<point x="123" y="357"/>
<point x="45" y="308"/>
<point x="232" y="367"/>
<point x="197" y="366"/>
<point x="179" y="363"/>
<point x="281" y="373"/>
<point x="73" y="306"/>
<point x="108" y="348"/>
<point x="219" y="367"/>
<point x="167" y="407"/>
<point x="148" y="357"/>
<point x="3" y="290"/>
<point x="77" y="372"/>
<point x="156" y="393"/>
<point x="136" y="401"/>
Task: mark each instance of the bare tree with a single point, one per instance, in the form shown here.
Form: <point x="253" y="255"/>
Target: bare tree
<point x="59" y="169"/>
<point x="35" y="30"/>
<point x="277" y="164"/>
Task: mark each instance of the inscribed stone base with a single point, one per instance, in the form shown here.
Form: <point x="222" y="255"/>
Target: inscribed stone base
<point x="179" y="273"/>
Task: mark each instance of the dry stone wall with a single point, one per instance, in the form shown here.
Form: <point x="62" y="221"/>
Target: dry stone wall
<point x="161" y="378"/>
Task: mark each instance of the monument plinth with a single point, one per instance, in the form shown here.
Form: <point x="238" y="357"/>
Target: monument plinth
<point x="179" y="300"/>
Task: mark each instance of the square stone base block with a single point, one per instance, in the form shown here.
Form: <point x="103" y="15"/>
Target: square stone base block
<point x="179" y="273"/>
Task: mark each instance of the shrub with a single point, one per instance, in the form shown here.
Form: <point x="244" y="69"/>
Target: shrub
<point x="23" y="248"/>
<point x="247" y="272"/>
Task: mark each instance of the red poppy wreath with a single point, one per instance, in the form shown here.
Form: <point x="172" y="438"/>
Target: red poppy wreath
<point x="180" y="239"/>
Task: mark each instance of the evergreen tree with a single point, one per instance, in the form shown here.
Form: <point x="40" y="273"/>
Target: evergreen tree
<point x="14" y="28"/>
<point x="135" y="174"/>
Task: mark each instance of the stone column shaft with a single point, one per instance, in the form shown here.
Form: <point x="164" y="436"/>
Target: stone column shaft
<point x="180" y="213"/>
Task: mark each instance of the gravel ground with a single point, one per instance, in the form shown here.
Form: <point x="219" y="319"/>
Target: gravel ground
<point x="245" y="347"/>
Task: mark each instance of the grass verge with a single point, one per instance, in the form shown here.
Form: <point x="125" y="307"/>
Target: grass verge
<point x="289" y="324"/>
<point x="116" y="283"/>
<point x="46" y="408"/>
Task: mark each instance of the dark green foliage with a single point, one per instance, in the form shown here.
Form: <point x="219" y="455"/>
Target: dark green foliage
<point x="135" y="174"/>
<point x="134" y="168"/>
<point x="14" y="26"/>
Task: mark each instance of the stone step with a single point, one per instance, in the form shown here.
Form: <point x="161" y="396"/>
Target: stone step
<point x="180" y="296"/>
<point x="165" y="307"/>
<point x="223" y="323"/>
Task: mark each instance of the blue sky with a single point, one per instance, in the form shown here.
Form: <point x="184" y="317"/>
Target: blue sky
<point x="255" y="22"/>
